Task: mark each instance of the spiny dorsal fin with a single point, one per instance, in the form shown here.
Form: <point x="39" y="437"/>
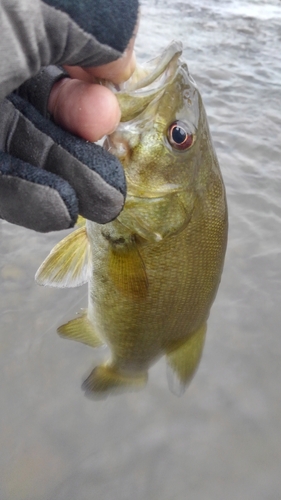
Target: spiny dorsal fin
<point x="67" y="265"/>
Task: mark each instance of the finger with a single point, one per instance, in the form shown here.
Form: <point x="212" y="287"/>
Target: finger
<point x="84" y="109"/>
<point x="116" y="72"/>
<point x="96" y="176"/>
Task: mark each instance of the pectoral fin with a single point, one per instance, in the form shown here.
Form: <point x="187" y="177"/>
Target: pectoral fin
<point x="67" y="265"/>
<point x="183" y="361"/>
<point x="127" y="271"/>
<point x="81" y="221"/>
<point x="81" y="330"/>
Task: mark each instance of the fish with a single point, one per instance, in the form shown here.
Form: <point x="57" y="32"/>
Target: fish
<point x="153" y="272"/>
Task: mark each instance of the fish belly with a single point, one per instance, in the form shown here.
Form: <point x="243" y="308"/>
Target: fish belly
<point x="182" y="276"/>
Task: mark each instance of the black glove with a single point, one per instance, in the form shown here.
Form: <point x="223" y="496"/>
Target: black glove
<point x="48" y="176"/>
<point x="37" y="33"/>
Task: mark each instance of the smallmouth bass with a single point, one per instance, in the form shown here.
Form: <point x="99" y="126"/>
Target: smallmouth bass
<point x="153" y="273"/>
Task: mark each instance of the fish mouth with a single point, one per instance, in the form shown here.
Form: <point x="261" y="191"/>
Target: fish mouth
<point x="148" y="82"/>
<point x="148" y="74"/>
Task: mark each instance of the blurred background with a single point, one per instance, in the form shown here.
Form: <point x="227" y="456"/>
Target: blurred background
<point x="222" y="439"/>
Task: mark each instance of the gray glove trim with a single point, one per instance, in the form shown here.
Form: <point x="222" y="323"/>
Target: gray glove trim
<point x="70" y="44"/>
<point x="40" y="208"/>
<point x="37" y="90"/>
<point x="112" y="22"/>
<point x="97" y="200"/>
<point x="34" y="34"/>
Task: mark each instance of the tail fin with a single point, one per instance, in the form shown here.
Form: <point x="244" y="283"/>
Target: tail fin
<point x="106" y="379"/>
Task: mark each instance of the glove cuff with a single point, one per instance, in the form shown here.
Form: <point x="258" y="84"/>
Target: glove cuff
<point x="37" y="90"/>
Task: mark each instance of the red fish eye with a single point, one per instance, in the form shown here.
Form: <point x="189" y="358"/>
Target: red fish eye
<point x="179" y="136"/>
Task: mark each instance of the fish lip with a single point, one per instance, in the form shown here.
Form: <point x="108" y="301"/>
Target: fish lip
<point x="156" y="67"/>
<point x="154" y="195"/>
<point x="135" y="190"/>
<point x="158" y="74"/>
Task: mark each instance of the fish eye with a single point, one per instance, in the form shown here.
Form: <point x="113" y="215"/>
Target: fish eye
<point x="179" y="136"/>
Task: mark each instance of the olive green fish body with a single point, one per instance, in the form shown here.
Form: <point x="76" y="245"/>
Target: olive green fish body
<point x="173" y="284"/>
<point x="154" y="272"/>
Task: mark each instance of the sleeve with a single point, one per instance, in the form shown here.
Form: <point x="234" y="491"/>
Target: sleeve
<point x="37" y="33"/>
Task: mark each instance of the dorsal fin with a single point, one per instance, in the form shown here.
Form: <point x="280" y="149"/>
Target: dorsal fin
<point x="67" y="265"/>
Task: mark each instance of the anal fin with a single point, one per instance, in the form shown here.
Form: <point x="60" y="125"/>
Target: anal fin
<point x="106" y="379"/>
<point x="183" y="360"/>
<point x="81" y="330"/>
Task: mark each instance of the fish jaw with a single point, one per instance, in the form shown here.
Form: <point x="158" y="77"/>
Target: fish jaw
<point x="156" y="218"/>
<point x="147" y="82"/>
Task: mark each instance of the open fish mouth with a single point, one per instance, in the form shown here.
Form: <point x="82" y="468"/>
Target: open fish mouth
<point x="150" y="74"/>
<point x="148" y="82"/>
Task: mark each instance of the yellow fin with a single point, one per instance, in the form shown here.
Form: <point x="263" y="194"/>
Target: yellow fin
<point x="81" y="221"/>
<point x="107" y="379"/>
<point x="127" y="271"/>
<point x="67" y="265"/>
<point x="183" y="361"/>
<point x="81" y="330"/>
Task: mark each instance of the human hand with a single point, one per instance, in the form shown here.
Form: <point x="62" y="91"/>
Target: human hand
<point x="74" y="176"/>
<point x="84" y="107"/>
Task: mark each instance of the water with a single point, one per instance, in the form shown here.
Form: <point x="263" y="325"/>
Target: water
<point x="223" y="438"/>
